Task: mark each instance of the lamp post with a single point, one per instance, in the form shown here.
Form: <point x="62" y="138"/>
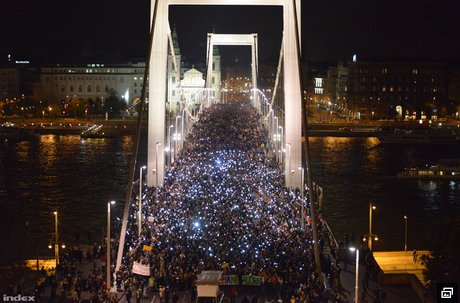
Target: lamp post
<point x="56" y="244"/>
<point x="405" y="237"/>
<point x="280" y="144"/>
<point x="140" y="201"/>
<point x="182" y="129"/>
<point x="301" y="204"/>
<point x="357" y="272"/>
<point x="276" y="138"/>
<point x="288" y="168"/>
<point x="175" y="143"/>
<point x="370" y="235"/>
<point x="169" y="143"/>
<point x="109" y="264"/>
<point x="156" y="163"/>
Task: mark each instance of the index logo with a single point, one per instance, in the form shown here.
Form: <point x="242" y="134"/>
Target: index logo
<point x="18" y="298"/>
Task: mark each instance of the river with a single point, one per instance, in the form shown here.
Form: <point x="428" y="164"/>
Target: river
<point x="78" y="178"/>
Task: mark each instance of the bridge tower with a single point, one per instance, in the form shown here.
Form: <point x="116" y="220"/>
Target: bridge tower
<point x="157" y="83"/>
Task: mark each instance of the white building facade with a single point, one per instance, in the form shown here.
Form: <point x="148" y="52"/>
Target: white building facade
<point x="192" y="80"/>
<point x="92" y="77"/>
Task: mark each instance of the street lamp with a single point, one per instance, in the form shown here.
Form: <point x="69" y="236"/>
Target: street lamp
<point x="140" y="201"/>
<point x="56" y="244"/>
<point x="276" y="138"/>
<point x="156" y="163"/>
<point x="169" y="143"/>
<point x="182" y="129"/>
<point x="405" y="238"/>
<point x="357" y="272"/>
<point x="288" y="169"/>
<point x="280" y="144"/>
<point x="370" y="235"/>
<point x="301" y="204"/>
<point x="175" y="143"/>
<point x="109" y="263"/>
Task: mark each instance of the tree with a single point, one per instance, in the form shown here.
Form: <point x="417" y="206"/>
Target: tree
<point x="113" y="104"/>
<point x="442" y="264"/>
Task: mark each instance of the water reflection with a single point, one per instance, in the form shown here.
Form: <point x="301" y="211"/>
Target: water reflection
<point x="78" y="177"/>
<point x="357" y="171"/>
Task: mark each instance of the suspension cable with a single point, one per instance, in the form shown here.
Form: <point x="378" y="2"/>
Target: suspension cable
<point x="278" y="72"/>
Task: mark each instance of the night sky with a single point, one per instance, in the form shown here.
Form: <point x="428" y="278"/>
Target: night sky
<point x="331" y="30"/>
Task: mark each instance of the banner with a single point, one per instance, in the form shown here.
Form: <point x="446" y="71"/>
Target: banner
<point x="147" y="248"/>
<point x="229" y="280"/>
<point x="253" y="280"/>
<point x="140" y="269"/>
<point x="247" y="280"/>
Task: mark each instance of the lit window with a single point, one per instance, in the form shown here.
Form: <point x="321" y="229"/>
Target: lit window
<point x="384" y="71"/>
<point x="384" y="88"/>
<point x="415" y="71"/>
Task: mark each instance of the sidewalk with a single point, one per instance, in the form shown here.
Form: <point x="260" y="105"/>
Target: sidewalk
<point x="395" y="293"/>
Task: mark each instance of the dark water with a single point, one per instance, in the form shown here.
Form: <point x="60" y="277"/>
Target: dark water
<point x="357" y="171"/>
<point x="80" y="177"/>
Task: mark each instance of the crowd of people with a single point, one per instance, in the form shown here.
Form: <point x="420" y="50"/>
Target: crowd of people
<point x="223" y="206"/>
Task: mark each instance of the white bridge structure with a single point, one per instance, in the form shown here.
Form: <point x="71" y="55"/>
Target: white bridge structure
<point x="288" y="139"/>
<point x="292" y="133"/>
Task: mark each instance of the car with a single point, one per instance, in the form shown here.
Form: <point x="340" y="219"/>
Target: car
<point x="345" y="129"/>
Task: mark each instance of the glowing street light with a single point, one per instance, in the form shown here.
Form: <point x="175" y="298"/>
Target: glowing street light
<point x="301" y="204"/>
<point x="276" y="138"/>
<point x="177" y="126"/>
<point x="56" y="244"/>
<point x="280" y="144"/>
<point x="405" y="237"/>
<point x="288" y="168"/>
<point x="109" y="263"/>
<point x="357" y="272"/>
<point x="371" y="235"/>
<point x="169" y="143"/>
<point x="140" y="201"/>
<point x="156" y="163"/>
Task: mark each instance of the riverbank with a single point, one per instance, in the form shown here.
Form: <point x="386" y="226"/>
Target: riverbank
<point x="73" y="126"/>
